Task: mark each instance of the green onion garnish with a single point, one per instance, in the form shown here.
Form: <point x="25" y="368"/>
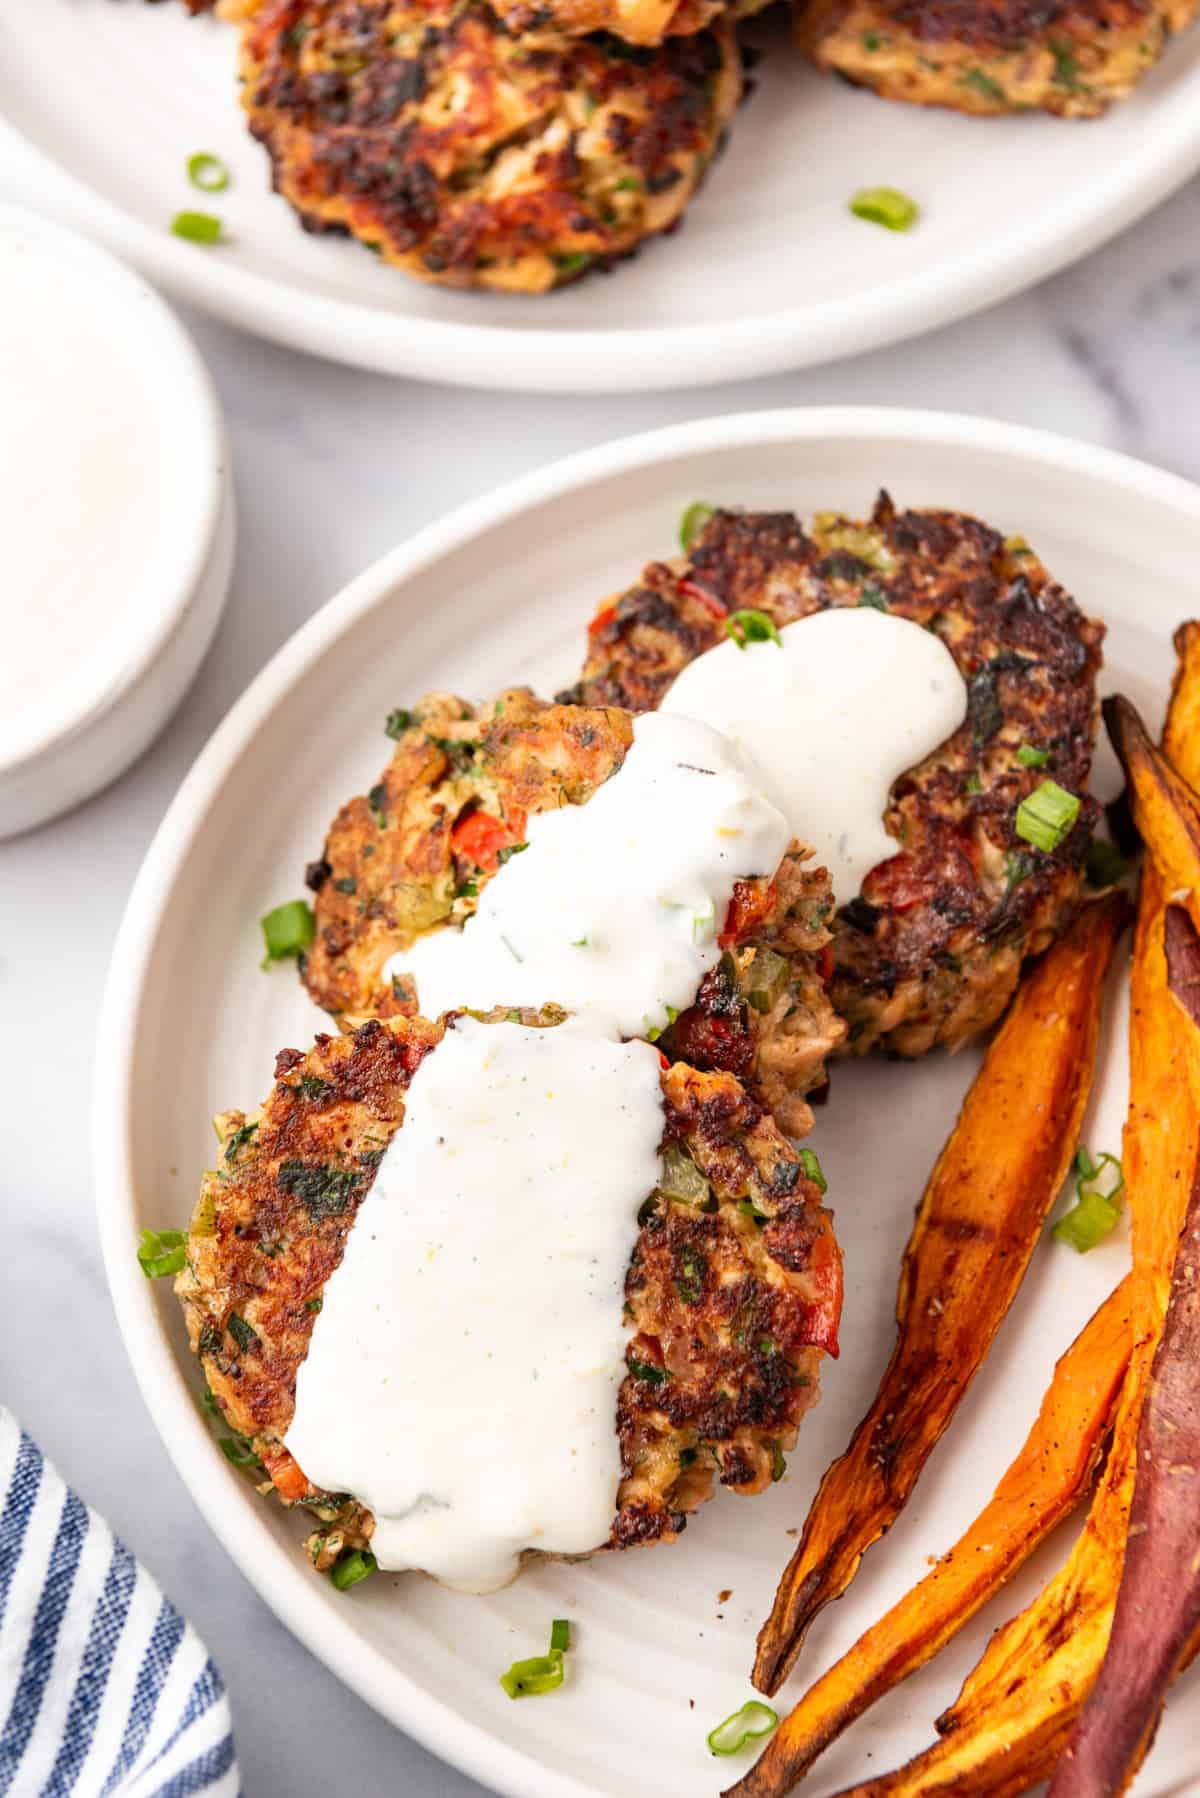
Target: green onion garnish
<point x="207" y="172"/>
<point x="352" y="1568"/>
<point x="753" y="1721"/>
<point x="288" y="930"/>
<point x="1104" y="864"/>
<point x="1047" y="817"/>
<point x="885" y="206"/>
<point x="572" y="263"/>
<point x="161" y="1252"/>
<point x="1029" y="757"/>
<point x="812" y="1167"/>
<point x="752" y="627"/>
<point x="681" y="1179"/>
<point x="693" y="522"/>
<point x="197" y="227"/>
<point x="1098" y="1186"/>
<point x="529" y="1679"/>
<point x="560" y="1635"/>
<point x="238" y="1451"/>
<point x="397" y="723"/>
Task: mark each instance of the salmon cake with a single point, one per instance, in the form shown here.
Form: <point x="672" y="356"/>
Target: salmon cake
<point x="468" y="156"/>
<point x="1073" y="58"/>
<point x="643" y="22"/>
<point x="731" y="1298"/>
<point x="414" y="854"/>
<point x="930" y="951"/>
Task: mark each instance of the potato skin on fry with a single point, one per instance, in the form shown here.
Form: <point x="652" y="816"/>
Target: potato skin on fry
<point x="979" y="1221"/>
<point x="931" y="951"/>
<point x="727" y="1358"/>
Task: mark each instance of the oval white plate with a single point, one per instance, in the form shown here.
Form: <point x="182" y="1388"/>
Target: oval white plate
<point x="500" y="592"/>
<point x="770" y="271"/>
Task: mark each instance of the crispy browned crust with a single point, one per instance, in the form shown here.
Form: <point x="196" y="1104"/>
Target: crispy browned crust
<point x="730" y="1309"/>
<point x="394" y="866"/>
<point x="1070" y="57"/>
<point x="644" y="22"/>
<point x="931" y="951"/>
<point x="468" y="156"/>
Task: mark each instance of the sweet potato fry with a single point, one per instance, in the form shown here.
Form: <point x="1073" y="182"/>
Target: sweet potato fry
<point x="1045" y="1482"/>
<point x="1165" y="809"/>
<point x="1014" y="1716"/>
<point x="1158" y="1604"/>
<point x="979" y="1220"/>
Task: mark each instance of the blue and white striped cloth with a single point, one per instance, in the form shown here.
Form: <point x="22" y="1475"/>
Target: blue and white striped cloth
<point x="105" y="1691"/>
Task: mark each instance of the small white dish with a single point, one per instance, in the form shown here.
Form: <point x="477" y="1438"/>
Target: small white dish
<point x="770" y="271"/>
<point x="501" y="591"/>
<point x="116" y="512"/>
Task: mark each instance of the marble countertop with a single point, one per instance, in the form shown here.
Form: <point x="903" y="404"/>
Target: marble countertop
<point x="332" y="468"/>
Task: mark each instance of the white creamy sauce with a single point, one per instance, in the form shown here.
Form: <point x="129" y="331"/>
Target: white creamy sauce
<point x="615" y="906"/>
<point x="89" y="474"/>
<point x="462" y="1377"/>
<point x="852" y="699"/>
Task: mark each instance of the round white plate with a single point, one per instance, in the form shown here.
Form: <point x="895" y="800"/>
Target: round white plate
<point x="500" y="592"/>
<point x="769" y="273"/>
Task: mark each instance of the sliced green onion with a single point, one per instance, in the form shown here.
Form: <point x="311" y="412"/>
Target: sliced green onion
<point x="693" y="522"/>
<point x="752" y="627"/>
<point x="161" y="1252"/>
<point x="778" y="1463"/>
<point x="1104" y="865"/>
<point x="397" y="723"/>
<point x="1047" y="817"/>
<point x="352" y="1568"/>
<point x="560" y="1635"/>
<point x="885" y="206"/>
<point x="197" y="227"/>
<point x="681" y="1178"/>
<point x="752" y="1722"/>
<point x="571" y="264"/>
<point x="1029" y="757"/>
<point x="529" y="1679"/>
<point x="768" y="976"/>
<point x="238" y="1451"/>
<point x="812" y="1168"/>
<point x="1094" y="1215"/>
<point x="288" y="930"/>
<point x="207" y="172"/>
<point x="646" y="1370"/>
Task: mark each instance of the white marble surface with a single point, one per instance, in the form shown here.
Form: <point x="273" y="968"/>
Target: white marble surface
<point x="332" y="468"/>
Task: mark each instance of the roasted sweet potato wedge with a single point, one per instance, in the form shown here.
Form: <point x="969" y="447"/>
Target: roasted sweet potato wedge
<point x="978" y="1222"/>
<point x="1014" y="1717"/>
<point x="1158" y="1603"/>
<point x="1165" y="808"/>
<point x="1048" y="1478"/>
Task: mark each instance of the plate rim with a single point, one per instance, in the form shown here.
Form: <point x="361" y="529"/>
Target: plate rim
<point x="660" y="358"/>
<point x="444" y="1730"/>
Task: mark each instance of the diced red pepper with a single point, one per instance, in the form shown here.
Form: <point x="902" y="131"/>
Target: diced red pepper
<point x="750" y="904"/>
<point x="286" y="1477"/>
<point x="602" y="620"/>
<point x="825" y="964"/>
<point x="479" y="837"/>
<point x="690" y="589"/>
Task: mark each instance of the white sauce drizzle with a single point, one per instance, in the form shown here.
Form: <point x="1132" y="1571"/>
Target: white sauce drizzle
<point x="854" y="698"/>
<point x="462" y="1378"/>
<point x="616" y="905"/>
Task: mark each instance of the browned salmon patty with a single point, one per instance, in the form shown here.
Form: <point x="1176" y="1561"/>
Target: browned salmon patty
<point x="642" y="22"/>
<point x="1070" y="57"/>
<point x="415" y="852"/>
<point x="931" y="950"/>
<point x="472" y="157"/>
<point x="733" y="1293"/>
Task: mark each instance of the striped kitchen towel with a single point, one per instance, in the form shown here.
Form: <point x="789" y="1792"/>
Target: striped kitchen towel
<point x="104" y="1689"/>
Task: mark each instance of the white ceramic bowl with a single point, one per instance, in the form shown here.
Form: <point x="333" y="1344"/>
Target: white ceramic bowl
<point x="770" y="271"/>
<point x="501" y="591"/>
<point x="103" y="703"/>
